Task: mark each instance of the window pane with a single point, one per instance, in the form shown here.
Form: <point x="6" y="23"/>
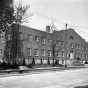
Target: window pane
<point x="29" y="52"/>
<point x="49" y="53"/>
<point x="43" y="41"/>
<point x="36" y="38"/>
<point x="49" y="41"/>
<point x="0" y="51"/>
<point x="60" y="54"/>
<point x="30" y="37"/>
<point x="36" y="52"/>
<point x="78" y="46"/>
<point x="43" y="52"/>
<point x="9" y="37"/>
<point x="72" y="45"/>
<point x="62" y="43"/>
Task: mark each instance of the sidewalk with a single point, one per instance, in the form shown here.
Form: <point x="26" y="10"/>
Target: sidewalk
<point x="7" y="73"/>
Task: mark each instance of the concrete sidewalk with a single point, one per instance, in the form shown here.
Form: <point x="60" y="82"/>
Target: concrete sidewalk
<point x="6" y="73"/>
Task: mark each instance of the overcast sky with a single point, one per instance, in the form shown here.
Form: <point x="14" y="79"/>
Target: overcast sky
<point x="60" y="12"/>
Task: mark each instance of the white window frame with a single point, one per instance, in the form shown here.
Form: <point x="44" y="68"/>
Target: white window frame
<point x="29" y="51"/>
<point x="49" y="53"/>
<point x="60" y="54"/>
<point x="44" y="41"/>
<point x="36" y="52"/>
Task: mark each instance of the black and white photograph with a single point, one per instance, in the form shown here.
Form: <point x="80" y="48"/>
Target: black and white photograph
<point x="43" y="43"/>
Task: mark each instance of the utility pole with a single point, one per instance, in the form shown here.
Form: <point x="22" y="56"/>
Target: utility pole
<point x="66" y="46"/>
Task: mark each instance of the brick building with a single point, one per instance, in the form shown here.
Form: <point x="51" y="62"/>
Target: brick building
<point x="36" y="45"/>
<point x="43" y="47"/>
<point x="69" y="46"/>
<point x="2" y="45"/>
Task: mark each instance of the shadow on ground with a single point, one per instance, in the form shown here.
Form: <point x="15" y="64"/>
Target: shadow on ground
<point x="86" y="86"/>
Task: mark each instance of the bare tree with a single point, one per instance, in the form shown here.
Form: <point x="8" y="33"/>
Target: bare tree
<point x="6" y="15"/>
<point x="20" y="17"/>
<point x="20" y="11"/>
<point x="13" y="45"/>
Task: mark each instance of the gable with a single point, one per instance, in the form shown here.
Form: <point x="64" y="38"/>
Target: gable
<point x="72" y="35"/>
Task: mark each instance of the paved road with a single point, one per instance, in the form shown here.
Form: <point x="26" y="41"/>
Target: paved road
<point x="52" y="79"/>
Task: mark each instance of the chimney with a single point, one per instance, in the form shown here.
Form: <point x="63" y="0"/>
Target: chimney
<point x="48" y="29"/>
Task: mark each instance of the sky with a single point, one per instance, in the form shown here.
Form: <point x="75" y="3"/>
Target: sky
<point x="58" y="12"/>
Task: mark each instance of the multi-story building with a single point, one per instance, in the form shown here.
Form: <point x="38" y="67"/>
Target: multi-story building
<point x="86" y="52"/>
<point x="43" y="47"/>
<point x="37" y="45"/>
<point x="69" y="46"/>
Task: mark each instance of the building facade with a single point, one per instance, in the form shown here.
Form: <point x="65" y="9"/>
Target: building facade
<point x="70" y="48"/>
<point x="37" y="45"/>
<point x="58" y="47"/>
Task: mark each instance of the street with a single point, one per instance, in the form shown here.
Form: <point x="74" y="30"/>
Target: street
<point x="49" y="79"/>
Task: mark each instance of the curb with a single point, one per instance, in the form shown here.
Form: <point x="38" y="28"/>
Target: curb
<point x="38" y="71"/>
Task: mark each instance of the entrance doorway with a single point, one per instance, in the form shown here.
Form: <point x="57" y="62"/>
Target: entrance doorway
<point x="71" y="55"/>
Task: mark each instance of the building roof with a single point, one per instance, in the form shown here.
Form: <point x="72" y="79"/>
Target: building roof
<point x="37" y="30"/>
<point x="68" y="31"/>
<point x="60" y="33"/>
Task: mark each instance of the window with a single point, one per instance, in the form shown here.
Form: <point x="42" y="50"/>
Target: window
<point x="30" y="37"/>
<point x="9" y="52"/>
<point x="2" y="35"/>
<point x="71" y="37"/>
<point x="72" y="45"/>
<point x="62" y="43"/>
<point x="9" y="36"/>
<point x="49" y="53"/>
<point x="78" y="46"/>
<point x="36" y="52"/>
<point x="29" y="51"/>
<point x="0" y="51"/>
<point x="59" y="43"/>
<point x="60" y="54"/>
<point x="37" y="38"/>
<point x="49" y="41"/>
<point x="43" y="52"/>
<point x="21" y="36"/>
<point x="43" y="41"/>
